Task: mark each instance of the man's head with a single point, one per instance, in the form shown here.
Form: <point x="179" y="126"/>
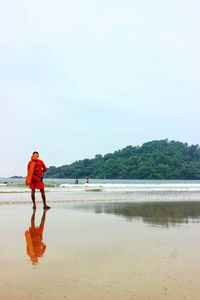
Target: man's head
<point x="35" y="154"/>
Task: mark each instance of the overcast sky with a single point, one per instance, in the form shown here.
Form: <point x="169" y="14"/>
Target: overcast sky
<point x="78" y="78"/>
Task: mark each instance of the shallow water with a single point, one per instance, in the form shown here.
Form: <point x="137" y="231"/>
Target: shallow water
<point x="65" y="191"/>
<point x="143" y="250"/>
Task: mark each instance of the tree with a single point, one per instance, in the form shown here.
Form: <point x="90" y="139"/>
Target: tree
<point x="153" y="160"/>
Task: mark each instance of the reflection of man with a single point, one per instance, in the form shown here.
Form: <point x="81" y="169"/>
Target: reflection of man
<point x="35" y="246"/>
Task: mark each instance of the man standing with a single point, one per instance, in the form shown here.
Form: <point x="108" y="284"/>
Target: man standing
<point x="37" y="179"/>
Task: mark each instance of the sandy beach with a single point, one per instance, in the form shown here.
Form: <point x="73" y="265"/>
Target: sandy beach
<point x="102" y="251"/>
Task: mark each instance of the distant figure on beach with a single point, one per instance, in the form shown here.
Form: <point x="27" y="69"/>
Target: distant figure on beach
<point x="76" y="181"/>
<point x="37" y="167"/>
<point x="34" y="244"/>
<point x="87" y="180"/>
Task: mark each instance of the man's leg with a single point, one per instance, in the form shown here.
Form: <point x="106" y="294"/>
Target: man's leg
<point x="43" y="220"/>
<point x="33" y="197"/>
<point x="44" y="198"/>
<point x="33" y="219"/>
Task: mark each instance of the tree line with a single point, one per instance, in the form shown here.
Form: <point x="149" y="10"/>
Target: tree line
<point x="159" y="159"/>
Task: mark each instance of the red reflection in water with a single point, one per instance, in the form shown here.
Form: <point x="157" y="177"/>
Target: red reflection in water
<point x="35" y="246"/>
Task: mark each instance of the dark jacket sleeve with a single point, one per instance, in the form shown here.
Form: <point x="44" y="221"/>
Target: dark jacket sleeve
<point x="44" y="168"/>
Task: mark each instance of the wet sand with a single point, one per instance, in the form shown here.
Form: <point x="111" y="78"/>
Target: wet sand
<point x="102" y="251"/>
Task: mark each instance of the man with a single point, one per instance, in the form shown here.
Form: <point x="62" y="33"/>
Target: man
<point x="37" y="179"/>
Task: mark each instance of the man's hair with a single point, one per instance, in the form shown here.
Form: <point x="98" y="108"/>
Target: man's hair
<point x="35" y="152"/>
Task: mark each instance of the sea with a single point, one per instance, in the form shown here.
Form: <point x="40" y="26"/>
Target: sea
<point x="60" y="191"/>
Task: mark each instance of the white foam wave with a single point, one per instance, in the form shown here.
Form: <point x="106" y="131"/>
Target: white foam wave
<point x="133" y="187"/>
<point x="107" y="187"/>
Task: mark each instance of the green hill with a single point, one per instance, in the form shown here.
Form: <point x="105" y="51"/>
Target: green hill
<point x="161" y="159"/>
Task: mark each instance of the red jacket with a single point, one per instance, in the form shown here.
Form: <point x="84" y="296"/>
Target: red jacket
<point x="40" y="168"/>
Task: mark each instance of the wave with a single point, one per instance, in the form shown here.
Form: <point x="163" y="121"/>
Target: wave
<point x="133" y="187"/>
<point x="105" y="187"/>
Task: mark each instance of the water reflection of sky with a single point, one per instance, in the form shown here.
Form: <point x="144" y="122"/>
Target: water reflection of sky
<point x="154" y="213"/>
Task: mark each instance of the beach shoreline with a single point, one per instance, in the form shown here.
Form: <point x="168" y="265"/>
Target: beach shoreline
<point x="102" y="251"/>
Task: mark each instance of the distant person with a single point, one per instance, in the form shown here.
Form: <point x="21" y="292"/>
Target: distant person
<point x="87" y="180"/>
<point x="34" y="244"/>
<point x="76" y="181"/>
<point x="37" y="179"/>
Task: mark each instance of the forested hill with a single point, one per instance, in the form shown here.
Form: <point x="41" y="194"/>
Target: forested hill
<point x="161" y="159"/>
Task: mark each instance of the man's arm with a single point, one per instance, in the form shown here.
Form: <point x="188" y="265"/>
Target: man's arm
<point x="28" y="166"/>
<point x="44" y="168"/>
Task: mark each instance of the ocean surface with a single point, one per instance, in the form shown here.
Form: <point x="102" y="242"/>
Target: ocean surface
<point x="65" y="190"/>
<point x="109" y="239"/>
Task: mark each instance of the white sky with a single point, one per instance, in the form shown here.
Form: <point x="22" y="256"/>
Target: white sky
<point x="79" y="78"/>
